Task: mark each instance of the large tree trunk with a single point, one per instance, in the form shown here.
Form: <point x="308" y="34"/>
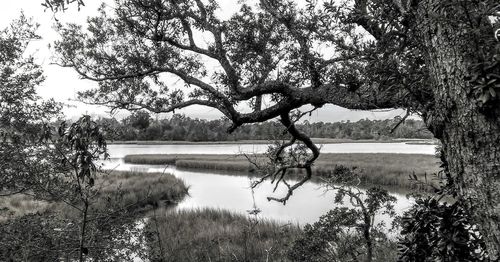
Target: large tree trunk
<point x="470" y="134"/>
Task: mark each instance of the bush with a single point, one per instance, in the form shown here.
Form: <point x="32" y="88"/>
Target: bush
<point x="434" y="231"/>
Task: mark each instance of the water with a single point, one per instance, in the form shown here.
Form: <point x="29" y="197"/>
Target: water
<point x="120" y="150"/>
<point x="232" y="192"/>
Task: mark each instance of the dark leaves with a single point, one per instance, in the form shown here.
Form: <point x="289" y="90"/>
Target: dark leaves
<point x="438" y="231"/>
<point x="83" y="143"/>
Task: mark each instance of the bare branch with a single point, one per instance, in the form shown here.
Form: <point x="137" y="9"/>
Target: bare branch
<point x="401" y="121"/>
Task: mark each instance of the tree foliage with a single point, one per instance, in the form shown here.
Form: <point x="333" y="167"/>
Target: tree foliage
<point x="440" y="227"/>
<point x="434" y="231"/>
<point x="23" y="116"/>
<point x="183" y="128"/>
<point x="61" y="5"/>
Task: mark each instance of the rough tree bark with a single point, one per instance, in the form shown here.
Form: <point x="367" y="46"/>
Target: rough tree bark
<point x="470" y="135"/>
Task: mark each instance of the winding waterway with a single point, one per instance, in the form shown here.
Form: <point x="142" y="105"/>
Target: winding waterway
<point x="232" y="192"/>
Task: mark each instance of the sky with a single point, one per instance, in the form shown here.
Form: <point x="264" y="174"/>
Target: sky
<point x="62" y="84"/>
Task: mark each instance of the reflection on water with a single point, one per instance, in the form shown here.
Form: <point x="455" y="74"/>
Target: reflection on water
<point x="120" y="150"/>
<point x="232" y="192"/>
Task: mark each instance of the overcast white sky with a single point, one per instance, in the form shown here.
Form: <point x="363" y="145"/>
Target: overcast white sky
<point x="63" y="83"/>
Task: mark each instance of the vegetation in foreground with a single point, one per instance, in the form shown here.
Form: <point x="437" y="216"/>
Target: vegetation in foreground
<point x="217" y="235"/>
<point x="338" y="236"/>
<point x="375" y="169"/>
<point x="53" y="233"/>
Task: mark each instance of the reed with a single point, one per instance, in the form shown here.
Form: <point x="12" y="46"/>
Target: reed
<point x="217" y="235"/>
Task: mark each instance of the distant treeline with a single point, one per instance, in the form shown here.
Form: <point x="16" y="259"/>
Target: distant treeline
<point x="140" y="126"/>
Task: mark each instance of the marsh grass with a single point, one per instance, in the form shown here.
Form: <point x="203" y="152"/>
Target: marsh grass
<point x="375" y="169"/>
<point x="217" y="235"/>
<point x="140" y="186"/>
<point x="134" y="192"/>
<point x="20" y="205"/>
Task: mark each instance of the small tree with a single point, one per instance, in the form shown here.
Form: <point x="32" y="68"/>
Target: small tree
<point x="81" y="145"/>
<point x="87" y="218"/>
<point x="349" y="233"/>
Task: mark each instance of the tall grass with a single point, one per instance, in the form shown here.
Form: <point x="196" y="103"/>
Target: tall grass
<point x="20" y="205"/>
<point x="141" y="187"/>
<point x="134" y="191"/>
<point x="374" y="168"/>
<point x="151" y="159"/>
<point x="217" y="235"/>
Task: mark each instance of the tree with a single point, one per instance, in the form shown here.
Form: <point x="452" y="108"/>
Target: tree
<point x="139" y="120"/>
<point x="349" y="234"/>
<point x="90" y="217"/>
<point x="82" y="144"/>
<point x="23" y="117"/>
<point x="61" y="5"/>
<point x="440" y="59"/>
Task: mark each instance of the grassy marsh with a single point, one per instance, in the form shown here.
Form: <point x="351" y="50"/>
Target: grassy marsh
<point x="130" y="192"/>
<point x="133" y="190"/>
<point x="375" y="168"/>
<point x="140" y="189"/>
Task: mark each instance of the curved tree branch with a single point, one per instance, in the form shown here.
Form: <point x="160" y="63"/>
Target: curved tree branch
<point x="307" y="165"/>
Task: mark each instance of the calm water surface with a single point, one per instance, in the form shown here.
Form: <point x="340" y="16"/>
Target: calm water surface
<point x="232" y="192"/>
<point x="120" y="150"/>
